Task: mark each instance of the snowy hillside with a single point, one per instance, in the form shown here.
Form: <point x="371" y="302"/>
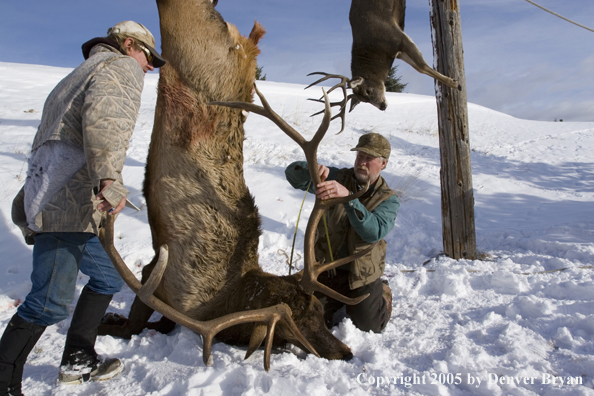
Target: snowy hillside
<point x="492" y="327"/>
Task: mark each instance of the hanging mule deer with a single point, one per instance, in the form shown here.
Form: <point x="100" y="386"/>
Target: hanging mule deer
<point x="204" y="223"/>
<point x="379" y="38"/>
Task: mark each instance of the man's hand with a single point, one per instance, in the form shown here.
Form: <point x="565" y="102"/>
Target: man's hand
<point x="323" y="171"/>
<point x="331" y="189"/>
<point x="105" y="206"/>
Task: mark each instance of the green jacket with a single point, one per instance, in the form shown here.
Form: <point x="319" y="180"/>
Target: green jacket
<point x="353" y="226"/>
<point x="85" y="130"/>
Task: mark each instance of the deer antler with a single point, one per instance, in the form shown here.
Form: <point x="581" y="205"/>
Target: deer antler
<point x="343" y="84"/>
<point x="269" y="316"/>
<point x="309" y="280"/>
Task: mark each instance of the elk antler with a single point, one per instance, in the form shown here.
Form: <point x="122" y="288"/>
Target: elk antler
<point x="309" y="280"/>
<point x="343" y="84"/>
<point x="269" y="316"/>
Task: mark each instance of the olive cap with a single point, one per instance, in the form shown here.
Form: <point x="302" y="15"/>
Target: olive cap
<point x="374" y="144"/>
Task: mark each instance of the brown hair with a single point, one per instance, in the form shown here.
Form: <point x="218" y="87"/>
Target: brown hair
<point x="120" y="38"/>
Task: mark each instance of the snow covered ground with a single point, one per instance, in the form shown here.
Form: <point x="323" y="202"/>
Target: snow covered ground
<point x="490" y="327"/>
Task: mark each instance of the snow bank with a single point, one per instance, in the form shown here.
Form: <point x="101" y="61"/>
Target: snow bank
<point x="457" y="328"/>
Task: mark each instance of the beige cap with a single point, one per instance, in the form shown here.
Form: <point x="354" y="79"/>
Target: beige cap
<point x="141" y="33"/>
<point x="374" y="144"/>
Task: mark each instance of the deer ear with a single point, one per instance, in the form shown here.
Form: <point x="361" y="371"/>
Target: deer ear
<point x="356" y="82"/>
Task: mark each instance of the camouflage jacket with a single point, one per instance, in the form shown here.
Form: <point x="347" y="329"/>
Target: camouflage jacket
<point x="85" y="130"/>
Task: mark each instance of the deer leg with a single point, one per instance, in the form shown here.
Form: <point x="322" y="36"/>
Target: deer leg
<point x="412" y="55"/>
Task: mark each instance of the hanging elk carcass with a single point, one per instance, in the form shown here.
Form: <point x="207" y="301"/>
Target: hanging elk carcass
<point x="204" y="223"/>
<point x="378" y="39"/>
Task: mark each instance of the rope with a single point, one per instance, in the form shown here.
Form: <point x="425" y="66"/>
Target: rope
<point x="560" y="16"/>
<point x="290" y="260"/>
<point x="282" y="252"/>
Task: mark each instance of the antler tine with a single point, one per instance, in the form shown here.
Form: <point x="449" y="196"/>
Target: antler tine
<point x="327" y="76"/>
<point x="154" y="279"/>
<point x="319" y="135"/>
<point x="342" y="112"/>
<point x="270" y="316"/>
<point x="266" y="111"/>
<point x="332" y="104"/>
<point x="343" y="103"/>
<point x="208" y="329"/>
<point x="337" y="263"/>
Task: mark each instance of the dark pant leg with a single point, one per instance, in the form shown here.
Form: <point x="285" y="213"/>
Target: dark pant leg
<point x="18" y="340"/>
<point x="369" y="314"/>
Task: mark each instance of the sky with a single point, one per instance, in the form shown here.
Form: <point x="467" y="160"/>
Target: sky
<point x="519" y="59"/>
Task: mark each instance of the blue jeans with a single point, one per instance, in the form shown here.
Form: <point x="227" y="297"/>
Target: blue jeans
<point x="57" y="258"/>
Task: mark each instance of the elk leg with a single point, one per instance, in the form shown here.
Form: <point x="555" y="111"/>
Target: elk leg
<point x="164" y="326"/>
<point x="113" y="319"/>
<point x="140" y="313"/>
<point x="118" y="326"/>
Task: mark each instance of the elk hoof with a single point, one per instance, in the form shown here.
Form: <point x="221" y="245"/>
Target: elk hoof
<point x="113" y="319"/>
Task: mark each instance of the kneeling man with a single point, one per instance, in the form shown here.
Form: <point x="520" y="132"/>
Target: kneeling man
<point x="352" y="227"/>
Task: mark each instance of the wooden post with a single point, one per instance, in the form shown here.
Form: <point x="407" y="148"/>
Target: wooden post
<point x="457" y="200"/>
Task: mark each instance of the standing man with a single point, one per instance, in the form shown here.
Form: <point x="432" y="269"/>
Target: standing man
<point x="353" y="227"/>
<point x="73" y="181"/>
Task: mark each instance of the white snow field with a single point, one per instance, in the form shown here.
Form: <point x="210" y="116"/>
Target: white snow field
<point x="497" y="326"/>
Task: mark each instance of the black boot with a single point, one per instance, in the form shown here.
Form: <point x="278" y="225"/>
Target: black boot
<point x="17" y="342"/>
<point x="80" y="362"/>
